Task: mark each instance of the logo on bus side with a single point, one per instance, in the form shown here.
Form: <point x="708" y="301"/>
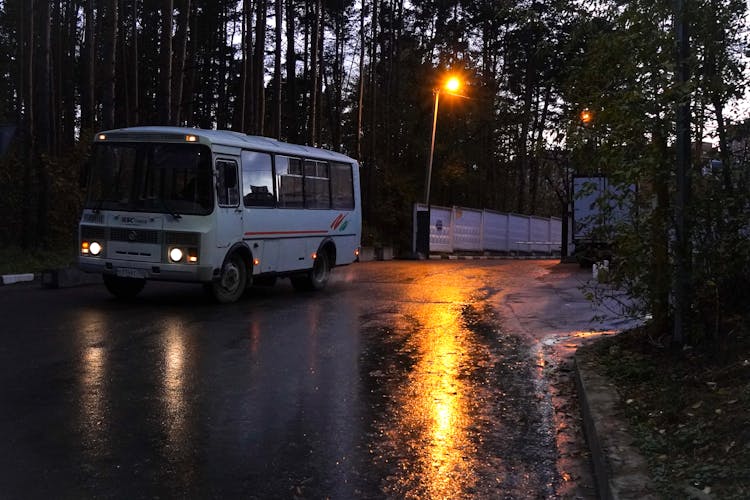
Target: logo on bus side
<point x="339" y="223"/>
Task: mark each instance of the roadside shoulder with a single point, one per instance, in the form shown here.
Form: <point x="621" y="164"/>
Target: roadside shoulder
<point x="620" y="470"/>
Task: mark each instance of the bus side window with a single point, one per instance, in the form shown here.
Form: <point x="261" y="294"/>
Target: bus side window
<point x="342" y="187"/>
<point x="257" y="179"/>
<point x="227" y="190"/>
<point x="289" y="182"/>
<point x="317" y="189"/>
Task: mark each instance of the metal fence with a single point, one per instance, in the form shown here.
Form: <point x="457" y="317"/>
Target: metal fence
<point x="471" y="230"/>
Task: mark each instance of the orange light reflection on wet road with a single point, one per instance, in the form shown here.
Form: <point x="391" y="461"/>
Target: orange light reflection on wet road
<point x="434" y="402"/>
<point x="174" y="381"/>
<point x="93" y="381"/>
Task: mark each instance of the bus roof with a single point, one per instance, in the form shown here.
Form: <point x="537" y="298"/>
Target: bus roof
<point x="219" y="137"/>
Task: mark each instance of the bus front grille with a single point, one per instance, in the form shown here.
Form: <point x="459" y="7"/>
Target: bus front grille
<point x="93" y="233"/>
<point x="182" y="238"/>
<point x="134" y="235"/>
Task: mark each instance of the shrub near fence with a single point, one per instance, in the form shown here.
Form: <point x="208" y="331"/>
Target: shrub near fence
<point x="459" y="229"/>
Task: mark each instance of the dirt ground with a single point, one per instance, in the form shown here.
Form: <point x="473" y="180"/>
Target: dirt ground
<point x="689" y="410"/>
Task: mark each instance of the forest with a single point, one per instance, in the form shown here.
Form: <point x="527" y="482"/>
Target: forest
<point x="360" y="76"/>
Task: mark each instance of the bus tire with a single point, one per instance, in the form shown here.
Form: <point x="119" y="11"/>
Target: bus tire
<point x="317" y="277"/>
<point x="232" y="282"/>
<point x="123" y="288"/>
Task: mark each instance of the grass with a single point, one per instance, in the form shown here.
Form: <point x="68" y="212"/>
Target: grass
<point x="689" y="411"/>
<point x="15" y="260"/>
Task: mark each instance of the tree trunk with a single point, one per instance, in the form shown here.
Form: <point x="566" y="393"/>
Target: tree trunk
<point x="222" y="104"/>
<point x="134" y="97"/>
<point x="361" y="93"/>
<point x="88" y="87"/>
<point x="321" y="75"/>
<point x="180" y="52"/>
<point x="259" y="67"/>
<point x="366" y="172"/>
<point x="57" y="46"/>
<point x="246" y="49"/>
<point x="109" y="33"/>
<point x="292" y="125"/>
<point x="42" y="120"/>
<point x="277" y="72"/>
<point x="336" y="98"/>
<point x="165" y="64"/>
<point x="27" y="70"/>
<point x="314" y="52"/>
<point x="660" y="274"/>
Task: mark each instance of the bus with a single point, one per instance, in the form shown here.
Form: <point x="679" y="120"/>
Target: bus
<point x="216" y="207"/>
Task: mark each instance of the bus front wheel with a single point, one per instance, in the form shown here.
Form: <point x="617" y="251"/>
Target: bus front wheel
<point x="317" y="277"/>
<point x="232" y="282"/>
<point x="123" y="288"/>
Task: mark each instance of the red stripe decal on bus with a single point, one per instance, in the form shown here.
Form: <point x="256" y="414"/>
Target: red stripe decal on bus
<point x="337" y="221"/>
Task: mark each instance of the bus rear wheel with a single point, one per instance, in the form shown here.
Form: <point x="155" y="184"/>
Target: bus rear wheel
<point x="317" y="277"/>
<point x="123" y="288"/>
<point x="232" y="282"/>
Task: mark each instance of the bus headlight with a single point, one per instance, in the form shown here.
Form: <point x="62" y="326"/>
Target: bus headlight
<point x="91" y="248"/>
<point x="178" y="254"/>
<point x="175" y="255"/>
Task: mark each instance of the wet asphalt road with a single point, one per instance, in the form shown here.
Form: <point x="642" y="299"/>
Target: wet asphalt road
<point x="400" y="380"/>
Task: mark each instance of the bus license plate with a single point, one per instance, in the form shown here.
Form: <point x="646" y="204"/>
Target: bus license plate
<point x="126" y="272"/>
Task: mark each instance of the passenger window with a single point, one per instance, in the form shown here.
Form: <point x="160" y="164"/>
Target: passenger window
<point x="317" y="189"/>
<point x="257" y="179"/>
<point x="342" y="187"/>
<point x="289" y="182"/>
<point x="227" y="189"/>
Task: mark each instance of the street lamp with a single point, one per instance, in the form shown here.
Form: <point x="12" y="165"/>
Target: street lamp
<point x="451" y="86"/>
<point x="586" y="116"/>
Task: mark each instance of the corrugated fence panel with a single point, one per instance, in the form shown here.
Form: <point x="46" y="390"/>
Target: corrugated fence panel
<point x="539" y="234"/>
<point x="495" y="232"/>
<point x="518" y="233"/>
<point x="441" y="228"/>
<point x="467" y="229"/>
<point x="475" y="230"/>
<point x="556" y="233"/>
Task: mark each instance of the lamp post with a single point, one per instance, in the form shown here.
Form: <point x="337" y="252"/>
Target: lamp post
<point x="422" y="217"/>
<point x="451" y="85"/>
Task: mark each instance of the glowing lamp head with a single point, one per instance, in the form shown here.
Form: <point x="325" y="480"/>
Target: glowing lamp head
<point x="586" y="116"/>
<point x="453" y="84"/>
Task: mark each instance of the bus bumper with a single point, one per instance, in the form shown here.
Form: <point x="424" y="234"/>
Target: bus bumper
<point x="147" y="270"/>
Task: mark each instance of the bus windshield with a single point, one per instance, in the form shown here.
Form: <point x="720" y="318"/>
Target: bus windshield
<point x="151" y="177"/>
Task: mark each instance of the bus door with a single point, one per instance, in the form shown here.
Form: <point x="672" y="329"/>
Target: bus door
<point x="229" y="212"/>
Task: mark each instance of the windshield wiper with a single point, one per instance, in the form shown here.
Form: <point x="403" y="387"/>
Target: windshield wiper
<point x="169" y="209"/>
<point x="98" y="206"/>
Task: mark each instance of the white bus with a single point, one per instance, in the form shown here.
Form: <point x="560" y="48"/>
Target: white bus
<point x="216" y="207"/>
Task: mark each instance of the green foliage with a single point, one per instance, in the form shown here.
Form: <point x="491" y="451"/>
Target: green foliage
<point x="23" y="225"/>
<point x="688" y="411"/>
<point x="15" y="260"/>
<point x="634" y="98"/>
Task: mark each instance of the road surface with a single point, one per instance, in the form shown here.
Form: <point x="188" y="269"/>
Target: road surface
<point x="431" y="379"/>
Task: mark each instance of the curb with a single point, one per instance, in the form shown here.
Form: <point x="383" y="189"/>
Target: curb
<point x="619" y="469"/>
<point x="53" y="278"/>
<point x="12" y="279"/>
<point x="441" y="256"/>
